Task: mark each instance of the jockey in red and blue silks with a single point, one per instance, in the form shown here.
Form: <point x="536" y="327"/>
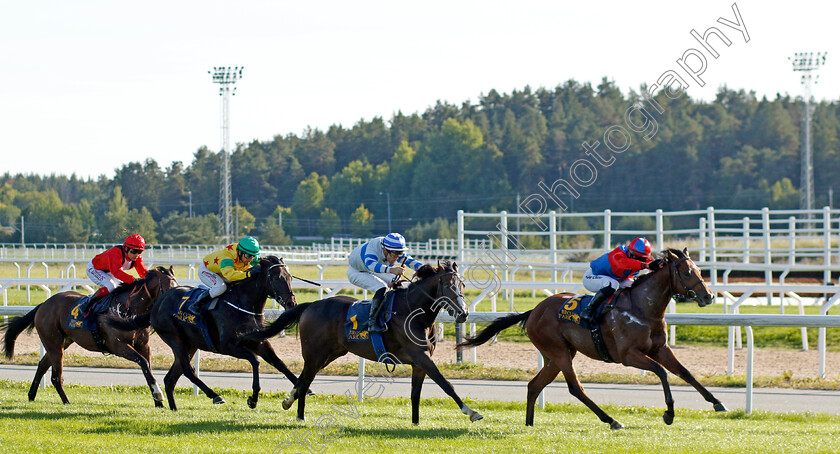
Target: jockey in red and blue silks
<point x="615" y="269"/>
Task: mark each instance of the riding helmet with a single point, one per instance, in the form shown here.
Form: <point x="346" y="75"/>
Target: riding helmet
<point x="249" y="245"/>
<point x="641" y="247"/>
<point x="394" y="242"/>
<point x="135" y="242"/>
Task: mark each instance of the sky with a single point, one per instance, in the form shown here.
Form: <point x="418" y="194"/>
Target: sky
<point x="88" y="86"/>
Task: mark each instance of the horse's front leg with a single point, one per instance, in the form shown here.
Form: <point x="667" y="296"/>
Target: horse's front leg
<point x="419" y="358"/>
<point x="122" y="349"/>
<point x="230" y="347"/>
<point x="665" y="356"/>
<point x="635" y="358"/>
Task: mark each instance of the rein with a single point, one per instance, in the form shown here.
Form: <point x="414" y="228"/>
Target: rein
<point x="440" y="290"/>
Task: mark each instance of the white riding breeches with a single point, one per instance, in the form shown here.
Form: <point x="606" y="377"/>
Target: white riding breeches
<point x="368" y="280"/>
<point x="215" y="282"/>
<point x="595" y="282"/>
<point x="102" y="278"/>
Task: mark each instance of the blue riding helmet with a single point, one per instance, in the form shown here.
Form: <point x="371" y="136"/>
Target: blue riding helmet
<point x="394" y="242"/>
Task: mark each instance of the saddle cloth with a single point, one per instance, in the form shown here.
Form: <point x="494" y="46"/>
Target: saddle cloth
<point x="357" y="316"/>
<point x="82" y="317"/>
<point x="190" y="314"/>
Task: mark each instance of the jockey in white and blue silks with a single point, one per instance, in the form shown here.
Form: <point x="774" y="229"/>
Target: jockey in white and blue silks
<point x="372" y="268"/>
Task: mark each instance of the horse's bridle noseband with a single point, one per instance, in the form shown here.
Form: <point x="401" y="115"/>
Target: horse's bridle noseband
<point x="275" y="295"/>
<point x="689" y="291"/>
<point x="440" y="290"/>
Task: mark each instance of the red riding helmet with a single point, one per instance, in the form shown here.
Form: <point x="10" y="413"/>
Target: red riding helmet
<point x="640" y="247"/>
<point x="135" y="242"/>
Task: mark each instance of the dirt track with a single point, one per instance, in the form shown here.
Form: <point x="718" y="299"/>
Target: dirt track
<point x="700" y="361"/>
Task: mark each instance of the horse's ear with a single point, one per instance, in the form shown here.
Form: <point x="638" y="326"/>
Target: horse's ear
<point x="455" y="266"/>
<point x="685" y="252"/>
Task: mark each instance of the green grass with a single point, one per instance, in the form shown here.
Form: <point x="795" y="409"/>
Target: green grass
<point x="107" y="420"/>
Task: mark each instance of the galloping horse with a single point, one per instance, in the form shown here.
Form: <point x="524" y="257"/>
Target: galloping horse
<point x="323" y="338"/>
<point x="634" y="334"/>
<point x="51" y="317"/>
<point x="240" y="310"/>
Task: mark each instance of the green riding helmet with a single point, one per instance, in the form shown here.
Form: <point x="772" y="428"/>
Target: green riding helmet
<point x="249" y="245"/>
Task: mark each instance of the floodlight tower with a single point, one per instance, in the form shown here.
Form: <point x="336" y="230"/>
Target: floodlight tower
<point x="807" y="63"/>
<point x="226" y="77"/>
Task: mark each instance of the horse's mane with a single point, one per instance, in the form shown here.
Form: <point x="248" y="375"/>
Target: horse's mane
<point x="664" y="255"/>
<point x="427" y="271"/>
<point x="129" y="287"/>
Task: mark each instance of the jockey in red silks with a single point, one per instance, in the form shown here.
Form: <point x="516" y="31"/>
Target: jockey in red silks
<point x="107" y="269"/>
<point x="615" y="269"/>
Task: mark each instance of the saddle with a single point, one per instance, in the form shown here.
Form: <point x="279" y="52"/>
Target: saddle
<point x="357" y="317"/>
<point x="192" y="309"/>
<point x="571" y="310"/>
<point x="84" y="317"/>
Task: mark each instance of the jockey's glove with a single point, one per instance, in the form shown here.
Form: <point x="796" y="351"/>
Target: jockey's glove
<point x="254" y="270"/>
<point x="656" y="264"/>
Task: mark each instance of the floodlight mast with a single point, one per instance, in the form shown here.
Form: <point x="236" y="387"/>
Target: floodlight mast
<point x="807" y="63"/>
<point x="226" y="77"/>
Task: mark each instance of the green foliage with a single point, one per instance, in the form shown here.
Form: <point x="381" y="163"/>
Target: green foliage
<point x="361" y="222"/>
<point x="733" y="152"/>
<point x="179" y="228"/>
<point x="439" y="228"/>
<point x="329" y="224"/>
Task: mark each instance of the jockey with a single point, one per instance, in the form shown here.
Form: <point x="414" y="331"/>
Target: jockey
<point x="372" y="268"/>
<point x="107" y="268"/>
<point x="615" y="269"/>
<point x="233" y="263"/>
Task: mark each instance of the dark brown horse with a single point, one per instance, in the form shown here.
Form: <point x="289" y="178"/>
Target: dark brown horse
<point x="50" y="320"/>
<point x="634" y="334"/>
<point x="323" y="338"/>
<point x="240" y="310"/>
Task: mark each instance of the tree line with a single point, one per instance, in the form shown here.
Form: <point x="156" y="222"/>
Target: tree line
<point x="736" y="151"/>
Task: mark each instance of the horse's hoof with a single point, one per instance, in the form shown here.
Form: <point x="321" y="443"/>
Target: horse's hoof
<point x="158" y="404"/>
<point x="615" y="425"/>
<point x="668" y="417"/>
<point x="218" y="400"/>
<point x="287" y="404"/>
<point x="475" y="416"/>
<point x="252" y="403"/>
<point x="310" y="393"/>
<point x="719" y="407"/>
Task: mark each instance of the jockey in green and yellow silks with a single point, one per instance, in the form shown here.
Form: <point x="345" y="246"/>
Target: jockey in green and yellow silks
<point x="233" y="263"/>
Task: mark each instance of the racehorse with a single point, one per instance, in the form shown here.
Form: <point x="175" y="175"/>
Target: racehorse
<point x="634" y="334"/>
<point x="240" y="310"/>
<point x="51" y="318"/>
<point x="323" y="338"/>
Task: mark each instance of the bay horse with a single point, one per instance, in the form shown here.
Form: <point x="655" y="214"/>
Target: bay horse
<point x="323" y="338"/>
<point x="239" y="311"/>
<point x="51" y="317"/>
<point x="634" y="334"/>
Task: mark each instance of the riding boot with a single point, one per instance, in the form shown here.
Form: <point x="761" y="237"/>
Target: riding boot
<point x="93" y="299"/>
<point x="588" y="313"/>
<point x="375" y="308"/>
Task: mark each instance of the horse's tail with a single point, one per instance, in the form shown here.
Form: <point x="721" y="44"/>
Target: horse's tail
<point x="129" y="324"/>
<point x="285" y="321"/>
<point x="16" y="326"/>
<point x="494" y="328"/>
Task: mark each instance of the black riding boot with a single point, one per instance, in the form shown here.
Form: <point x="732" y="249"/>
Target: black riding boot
<point x="588" y="313"/>
<point x="375" y="308"/>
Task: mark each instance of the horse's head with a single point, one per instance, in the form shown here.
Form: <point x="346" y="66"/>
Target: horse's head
<point x="449" y="289"/>
<point x="278" y="281"/>
<point x="686" y="279"/>
<point x="158" y="280"/>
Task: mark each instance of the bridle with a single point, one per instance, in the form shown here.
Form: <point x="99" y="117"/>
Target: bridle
<point x="145" y="287"/>
<point x="689" y="291"/>
<point x="275" y="295"/>
<point x="448" y="301"/>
